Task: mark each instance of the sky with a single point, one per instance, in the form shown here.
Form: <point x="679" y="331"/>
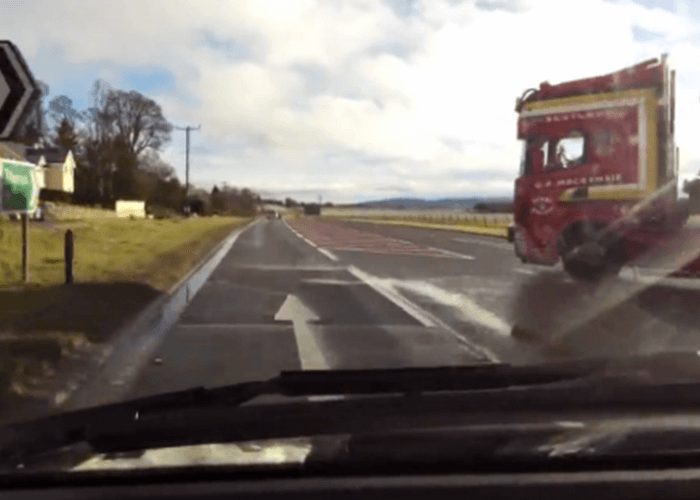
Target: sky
<point x="352" y="100"/>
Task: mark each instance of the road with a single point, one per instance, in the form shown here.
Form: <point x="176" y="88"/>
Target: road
<point x="321" y="294"/>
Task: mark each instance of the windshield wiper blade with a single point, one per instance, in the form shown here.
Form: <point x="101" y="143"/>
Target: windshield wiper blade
<point x="71" y="427"/>
<point x="385" y="381"/>
<point x="421" y="397"/>
<point x="385" y="413"/>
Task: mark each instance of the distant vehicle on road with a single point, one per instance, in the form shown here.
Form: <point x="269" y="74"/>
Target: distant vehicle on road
<point x="312" y="209"/>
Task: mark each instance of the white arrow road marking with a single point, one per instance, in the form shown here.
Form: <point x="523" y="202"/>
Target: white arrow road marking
<point x="310" y="354"/>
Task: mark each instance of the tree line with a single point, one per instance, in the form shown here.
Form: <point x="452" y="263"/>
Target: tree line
<point x="116" y="142"/>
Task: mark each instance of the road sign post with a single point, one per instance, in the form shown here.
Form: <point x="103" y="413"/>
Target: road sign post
<point x="20" y="183"/>
<point x="25" y="248"/>
<point x="68" y="255"/>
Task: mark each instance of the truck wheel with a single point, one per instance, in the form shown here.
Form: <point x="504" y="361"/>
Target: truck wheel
<point x="588" y="253"/>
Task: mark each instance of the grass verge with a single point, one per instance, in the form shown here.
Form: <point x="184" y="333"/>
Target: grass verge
<point x="120" y="266"/>
<point x="497" y="231"/>
<point x="151" y="252"/>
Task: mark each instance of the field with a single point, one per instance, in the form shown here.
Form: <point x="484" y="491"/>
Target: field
<point x="470" y="222"/>
<point x="120" y="266"/>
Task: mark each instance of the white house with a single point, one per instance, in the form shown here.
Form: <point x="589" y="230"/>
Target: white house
<point x="58" y="166"/>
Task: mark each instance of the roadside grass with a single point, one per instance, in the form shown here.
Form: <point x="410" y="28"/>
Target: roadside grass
<point x="120" y="266"/>
<point x="496" y="230"/>
<point x="152" y="252"/>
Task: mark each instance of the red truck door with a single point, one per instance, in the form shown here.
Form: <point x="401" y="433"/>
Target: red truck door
<point x="535" y="201"/>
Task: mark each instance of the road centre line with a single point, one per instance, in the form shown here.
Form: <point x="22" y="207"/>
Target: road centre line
<point x="419" y="314"/>
<point x="325" y="252"/>
<point x="422" y="316"/>
<point x="479" y="241"/>
<point x="332" y="282"/>
<point x="328" y="254"/>
<point x="469" y="309"/>
<point x="289" y="267"/>
<point x="453" y="254"/>
<point x="299" y="234"/>
<point x="244" y="326"/>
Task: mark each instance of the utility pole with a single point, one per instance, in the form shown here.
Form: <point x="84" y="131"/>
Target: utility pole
<point x="187" y="130"/>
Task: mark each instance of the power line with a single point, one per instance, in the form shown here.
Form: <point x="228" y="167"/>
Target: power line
<point x="187" y="130"/>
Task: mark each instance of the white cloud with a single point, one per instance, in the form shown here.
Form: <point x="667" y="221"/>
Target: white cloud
<point x="355" y="98"/>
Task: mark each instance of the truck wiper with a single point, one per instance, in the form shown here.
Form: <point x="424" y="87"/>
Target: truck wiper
<point x="68" y="428"/>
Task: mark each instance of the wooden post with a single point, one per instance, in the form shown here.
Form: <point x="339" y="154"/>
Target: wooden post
<point x="25" y="248"/>
<point x="68" y="256"/>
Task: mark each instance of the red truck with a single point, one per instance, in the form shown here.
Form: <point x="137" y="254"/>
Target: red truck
<point x="598" y="179"/>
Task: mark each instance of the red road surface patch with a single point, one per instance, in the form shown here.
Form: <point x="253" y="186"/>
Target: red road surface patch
<point x="335" y="236"/>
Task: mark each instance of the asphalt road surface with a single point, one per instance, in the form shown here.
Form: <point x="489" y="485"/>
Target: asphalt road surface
<point x="321" y="294"/>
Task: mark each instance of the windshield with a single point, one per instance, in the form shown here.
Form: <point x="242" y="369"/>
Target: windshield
<point x="206" y="193"/>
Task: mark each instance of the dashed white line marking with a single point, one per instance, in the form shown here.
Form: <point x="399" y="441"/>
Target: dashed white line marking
<point x="521" y="270"/>
<point x="331" y="281"/>
<point x="425" y="318"/>
<point x="328" y="254"/>
<point x="325" y="252"/>
<point x="305" y="239"/>
<point x="467" y="308"/>
<point x="377" y="284"/>
<point x="485" y="242"/>
<point x="453" y="254"/>
<point x="237" y="326"/>
<point x="289" y="267"/>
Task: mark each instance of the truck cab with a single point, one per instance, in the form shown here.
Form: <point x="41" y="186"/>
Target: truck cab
<point x="598" y="174"/>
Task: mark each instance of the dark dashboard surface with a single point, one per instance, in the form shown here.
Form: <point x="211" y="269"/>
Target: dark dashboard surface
<point x="174" y="484"/>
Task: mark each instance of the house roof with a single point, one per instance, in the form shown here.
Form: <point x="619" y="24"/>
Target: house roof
<point x="51" y="155"/>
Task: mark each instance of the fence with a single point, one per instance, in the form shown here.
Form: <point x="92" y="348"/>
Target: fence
<point x="446" y="217"/>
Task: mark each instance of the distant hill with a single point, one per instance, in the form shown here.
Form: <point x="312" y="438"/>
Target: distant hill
<point x="438" y="204"/>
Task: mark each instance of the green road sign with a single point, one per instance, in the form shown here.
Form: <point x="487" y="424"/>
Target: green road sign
<point x="20" y="186"/>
